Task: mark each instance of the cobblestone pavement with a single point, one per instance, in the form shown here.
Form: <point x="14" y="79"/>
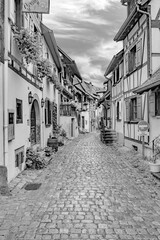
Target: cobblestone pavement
<point x="88" y="191"/>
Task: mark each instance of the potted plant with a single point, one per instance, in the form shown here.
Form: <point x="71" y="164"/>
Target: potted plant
<point x="155" y="163"/>
<point x="28" y="43"/>
<point x="44" y="68"/>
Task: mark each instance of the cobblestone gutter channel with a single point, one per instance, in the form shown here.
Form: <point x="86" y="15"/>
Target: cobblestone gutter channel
<point x="89" y="191"/>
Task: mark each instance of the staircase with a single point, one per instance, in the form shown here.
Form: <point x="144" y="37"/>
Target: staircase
<point x="108" y="136"/>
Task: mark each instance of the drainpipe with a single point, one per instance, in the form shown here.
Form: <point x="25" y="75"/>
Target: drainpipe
<point x="150" y="47"/>
<point x="5" y="85"/>
<point x="150" y="38"/>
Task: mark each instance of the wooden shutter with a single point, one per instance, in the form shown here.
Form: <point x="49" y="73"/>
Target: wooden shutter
<point x="139" y="53"/>
<point x="46" y="111"/>
<point x="152" y="104"/>
<point x="126" y="63"/>
<point x="49" y="112"/>
<point x="127" y="109"/>
<point x="11" y="126"/>
<point x="120" y="109"/>
<point x="139" y="108"/>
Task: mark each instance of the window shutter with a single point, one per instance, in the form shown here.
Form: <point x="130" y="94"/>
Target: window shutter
<point x="127" y="109"/>
<point x="139" y="53"/>
<point x="46" y="107"/>
<point x="139" y="108"/>
<point x="120" y="109"/>
<point x="126" y="62"/>
<point x="152" y="104"/>
<point x="49" y="112"/>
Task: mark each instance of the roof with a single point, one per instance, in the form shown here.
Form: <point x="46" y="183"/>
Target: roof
<point x="151" y="83"/>
<point x="52" y="45"/>
<point x="128" y="24"/>
<point x="71" y="63"/>
<point x="103" y="98"/>
<point x="115" y="60"/>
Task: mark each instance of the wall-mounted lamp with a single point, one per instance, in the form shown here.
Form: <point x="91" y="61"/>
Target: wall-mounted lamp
<point x="42" y="102"/>
<point x="30" y="97"/>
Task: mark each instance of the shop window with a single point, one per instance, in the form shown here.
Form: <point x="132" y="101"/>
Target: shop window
<point x="19" y="156"/>
<point x="47" y="112"/>
<point x="11" y="127"/>
<point x="19" y="111"/>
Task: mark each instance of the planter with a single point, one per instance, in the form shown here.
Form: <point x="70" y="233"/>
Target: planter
<point x="53" y="143"/>
<point x="154" y="167"/>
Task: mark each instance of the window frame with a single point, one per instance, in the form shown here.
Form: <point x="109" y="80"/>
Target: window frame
<point x="19" y="119"/>
<point x="48" y="112"/>
<point x="11" y="126"/>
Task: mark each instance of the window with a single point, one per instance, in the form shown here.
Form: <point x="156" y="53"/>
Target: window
<point x="19" y="156"/>
<point x="154" y="103"/>
<point x="117" y="110"/>
<point x="134" y="109"/>
<point x="47" y="112"/>
<point x="11" y="133"/>
<point x="133" y="58"/>
<point x="18" y="13"/>
<point x="19" y="113"/>
<point x="157" y="103"/>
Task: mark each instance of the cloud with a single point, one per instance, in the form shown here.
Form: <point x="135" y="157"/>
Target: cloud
<point x="85" y="29"/>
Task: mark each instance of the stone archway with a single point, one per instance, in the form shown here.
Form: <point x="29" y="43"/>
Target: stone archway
<point x="35" y="123"/>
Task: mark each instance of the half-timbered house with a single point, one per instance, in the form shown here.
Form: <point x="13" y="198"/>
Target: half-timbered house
<point x="115" y="69"/>
<point x="29" y="75"/>
<point x="140" y="35"/>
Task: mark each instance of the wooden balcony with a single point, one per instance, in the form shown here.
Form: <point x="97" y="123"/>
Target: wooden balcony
<point x="67" y="109"/>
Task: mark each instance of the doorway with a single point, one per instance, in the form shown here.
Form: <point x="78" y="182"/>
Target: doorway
<point x="35" y="123"/>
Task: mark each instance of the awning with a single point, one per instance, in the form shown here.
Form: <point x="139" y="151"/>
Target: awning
<point x="151" y="83"/>
<point x="52" y="45"/>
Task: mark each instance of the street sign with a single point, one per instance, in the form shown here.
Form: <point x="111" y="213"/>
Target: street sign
<point x="143" y="126"/>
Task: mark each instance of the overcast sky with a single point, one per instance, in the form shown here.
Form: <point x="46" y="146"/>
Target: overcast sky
<point x="85" y="29"/>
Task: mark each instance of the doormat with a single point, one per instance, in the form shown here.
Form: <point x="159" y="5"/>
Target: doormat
<point x="32" y="186"/>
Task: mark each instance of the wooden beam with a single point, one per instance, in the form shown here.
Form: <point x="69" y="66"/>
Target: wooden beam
<point x="155" y="24"/>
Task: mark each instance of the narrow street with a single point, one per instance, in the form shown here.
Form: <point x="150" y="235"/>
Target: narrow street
<point x="87" y="192"/>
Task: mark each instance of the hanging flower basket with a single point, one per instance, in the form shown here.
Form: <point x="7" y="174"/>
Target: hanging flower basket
<point x="44" y="68"/>
<point x="29" y="44"/>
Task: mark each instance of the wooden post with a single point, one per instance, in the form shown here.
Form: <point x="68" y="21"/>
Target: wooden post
<point x="143" y="146"/>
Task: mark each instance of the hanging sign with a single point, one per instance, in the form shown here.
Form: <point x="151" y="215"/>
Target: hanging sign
<point x="36" y="6"/>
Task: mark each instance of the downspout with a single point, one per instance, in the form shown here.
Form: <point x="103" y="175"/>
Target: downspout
<point x="150" y="38"/>
<point x="5" y="85"/>
<point x="150" y="51"/>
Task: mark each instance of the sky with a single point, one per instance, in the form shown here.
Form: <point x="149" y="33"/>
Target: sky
<point x="85" y="29"/>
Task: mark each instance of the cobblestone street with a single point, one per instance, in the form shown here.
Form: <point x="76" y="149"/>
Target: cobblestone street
<point x="88" y="191"/>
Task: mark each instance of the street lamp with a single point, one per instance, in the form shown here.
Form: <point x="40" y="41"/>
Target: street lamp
<point x="30" y="97"/>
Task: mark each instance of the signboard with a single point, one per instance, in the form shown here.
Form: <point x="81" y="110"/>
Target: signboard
<point x="36" y="6"/>
<point x="143" y="126"/>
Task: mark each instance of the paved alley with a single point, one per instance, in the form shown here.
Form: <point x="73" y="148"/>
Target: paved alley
<point x="87" y="192"/>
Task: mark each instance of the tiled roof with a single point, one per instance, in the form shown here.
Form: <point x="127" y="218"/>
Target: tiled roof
<point x="115" y="60"/>
<point x="151" y="83"/>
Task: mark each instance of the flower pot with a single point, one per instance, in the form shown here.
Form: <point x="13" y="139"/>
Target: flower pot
<point x="53" y="142"/>
<point x="154" y="167"/>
